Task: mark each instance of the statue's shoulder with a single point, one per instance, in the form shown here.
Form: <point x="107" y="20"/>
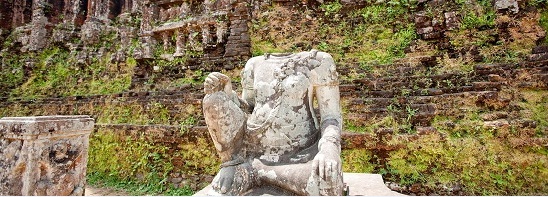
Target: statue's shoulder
<point x="322" y="56"/>
<point x="324" y="72"/>
<point x="255" y="59"/>
<point x="250" y="64"/>
<point x="325" y="60"/>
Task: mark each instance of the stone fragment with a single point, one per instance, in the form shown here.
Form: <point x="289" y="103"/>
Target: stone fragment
<point x="484" y="86"/>
<point x="425" y="130"/>
<point x="540" y="49"/>
<point x="451" y="20"/>
<point x="538" y="57"/>
<point x="510" y="5"/>
<point x="494" y="116"/>
<point x="495" y="78"/>
<point x="421" y="21"/>
<point x="432" y="36"/>
<point x="425" y="30"/>
<point x="526" y="123"/>
<point x="44" y="155"/>
<point x="496" y="123"/>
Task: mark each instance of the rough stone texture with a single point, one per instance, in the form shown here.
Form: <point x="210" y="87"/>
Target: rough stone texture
<point x="217" y="30"/>
<point x="432" y="28"/>
<point x="365" y="98"/>
<point x="271" y="135"/>
<point x="510" y="5"/>
<point x="359" y="184"/>
<point x="44" y="155"/>
<point x="451" y="20"/>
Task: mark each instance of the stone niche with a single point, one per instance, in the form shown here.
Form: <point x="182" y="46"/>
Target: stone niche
<point x="216" y="28"/>
<point x="44" y="155"/>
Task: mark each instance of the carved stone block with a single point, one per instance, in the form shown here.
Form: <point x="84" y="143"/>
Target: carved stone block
<point x="44" y="155"/>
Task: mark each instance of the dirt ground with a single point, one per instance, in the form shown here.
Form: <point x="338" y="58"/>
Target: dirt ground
<point x="94" y="191"/>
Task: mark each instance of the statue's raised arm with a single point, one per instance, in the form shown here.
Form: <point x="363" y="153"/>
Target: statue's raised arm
<point x="272" y="136"/>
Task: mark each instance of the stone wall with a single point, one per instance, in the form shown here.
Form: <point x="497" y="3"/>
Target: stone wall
<point x="366" y="101"/>
<point x="401" y="104"/>
<point x="212" y="31"/>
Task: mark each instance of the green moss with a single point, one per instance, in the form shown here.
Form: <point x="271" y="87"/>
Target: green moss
<point x="378" y="33"/>
<point x="136" y="188"/>
<point x="483" y="166"/>
<point x="56" y="74"/>
<point x="120" y="113"/>
<point x="12" y="74"/>
<point x="120" y="159"/>
<point x="536" y="103"/>
<point x="482" y="160"/>
<point x="331" y="8"/>
<point x="543" y="22"/>
<point x="260" y="47"/>
<point x="161" y="113"/>
<point x="472" y="20"/>
<point x="357" y="160"/>
<point x="469" y="125"/>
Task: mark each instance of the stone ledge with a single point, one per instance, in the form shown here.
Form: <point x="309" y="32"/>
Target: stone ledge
<point x="360" y="184"/>
<point x="45" y="127"/>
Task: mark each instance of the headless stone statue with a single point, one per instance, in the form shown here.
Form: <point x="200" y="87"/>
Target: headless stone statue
<point x="271" y="135"/>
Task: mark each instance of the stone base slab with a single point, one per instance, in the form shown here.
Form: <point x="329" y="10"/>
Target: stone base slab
<point x="360" y="184"/>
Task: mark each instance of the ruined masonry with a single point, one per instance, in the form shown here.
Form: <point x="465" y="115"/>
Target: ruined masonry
<point x="44" y="155"/>
<point x="213" y="31"/>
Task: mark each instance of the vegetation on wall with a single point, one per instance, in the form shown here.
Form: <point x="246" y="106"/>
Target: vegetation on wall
<point x="463" y="154"/>
<point x="54" y="72"/>
<point x="375" y="34"/>
<point x="128" y="161"/>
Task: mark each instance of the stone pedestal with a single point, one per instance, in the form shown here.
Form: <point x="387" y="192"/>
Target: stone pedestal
<point x="359" y="184"/>
<point x="44" y="155"/>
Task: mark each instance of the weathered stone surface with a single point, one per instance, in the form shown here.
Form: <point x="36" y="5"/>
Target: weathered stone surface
<point x="496" y="123"/>
<point x="271" y="136"/>
<point x="359" y="184"/>
<point x="494" y="116"/>
<point x="431" y="36"/>
<point x="495" y="78"/>
<point x="425" y="30"/>
<point x="510" y="5"/>
<point x="540" y="49"/>
<point x="538" y="57"/>
<point x="44" y="155"/>
<point x="216" y="29"/>
<point x="421" y="21"/>
<point x="451" y="20"/>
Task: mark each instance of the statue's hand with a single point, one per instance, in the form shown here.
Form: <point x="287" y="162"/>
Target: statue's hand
<point x="222" y="183"/>
<point x="217" y="82"/>
<point x="327" y="163"/>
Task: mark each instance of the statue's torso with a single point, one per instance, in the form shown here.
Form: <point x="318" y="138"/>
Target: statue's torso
<point x="282" y="119"/>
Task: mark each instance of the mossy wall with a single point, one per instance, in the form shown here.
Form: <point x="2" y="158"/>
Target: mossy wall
<point x="440" y="97"/>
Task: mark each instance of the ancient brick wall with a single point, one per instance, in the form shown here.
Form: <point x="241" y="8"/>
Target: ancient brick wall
<point x="367" y="100"/>
<point x="216" y="35"/>
<point x="213" y="31"/>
